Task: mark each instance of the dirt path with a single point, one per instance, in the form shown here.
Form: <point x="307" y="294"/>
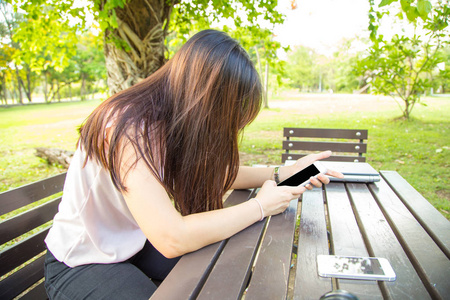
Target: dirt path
<point x="315" y="104"/>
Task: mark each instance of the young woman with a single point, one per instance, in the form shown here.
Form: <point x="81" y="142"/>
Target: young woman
<point x="145" y="185"/>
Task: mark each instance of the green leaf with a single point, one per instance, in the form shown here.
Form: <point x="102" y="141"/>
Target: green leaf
<point x="412" y="13"/>
<point x="424" y="7"/>
<point x="113" y="20"/>
<point x="406" y="4"/>
<point x="103" y="25"/>
<point x="385" y="2"/>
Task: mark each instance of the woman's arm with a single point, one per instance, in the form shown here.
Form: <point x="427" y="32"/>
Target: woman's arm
<point x="174" y="235"/>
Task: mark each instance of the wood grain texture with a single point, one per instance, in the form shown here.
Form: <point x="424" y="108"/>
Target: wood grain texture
<point x="431" y="264"/>
<point x="271" y="273"/>
<point x="346" y="239"/>
<point x="230" y="275"/>
<point x="312" y="241"/>
<point x="437" y="226"/>
<point x="382" y="242"/>
<point x="24" y="195"/>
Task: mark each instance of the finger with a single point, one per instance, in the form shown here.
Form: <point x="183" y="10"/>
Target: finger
<point x="335" y="174"/>
<point x="301" y="191"/>
<point x="297" y="190"/>
<point x="309" y="186"/>
<point x="316" y="182"/>
<point x="323" y="155"/>
<point x="323" y="179"/>
<point x="309" y="159"/>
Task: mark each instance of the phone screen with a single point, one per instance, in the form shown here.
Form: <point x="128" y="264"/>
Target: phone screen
<point x="357" y="265"/>
<point x="349" y="267"/>
<point x="302" y="176"/>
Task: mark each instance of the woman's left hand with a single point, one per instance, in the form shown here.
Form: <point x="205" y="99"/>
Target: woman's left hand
<point x="303" y="162"/>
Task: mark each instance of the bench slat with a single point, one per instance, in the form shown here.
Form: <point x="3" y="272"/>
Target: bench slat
<point x="323" y="146"/>
<point x="428" y="259"/>
<point x="298" y="142"/>
<point x="437" y="226"/>
<point x="38" y="292"/>
<point x="346" y="239"/>
<point x="21" y="280"/>
<point x="188" y="277"/>
<point x="351" y="158"/>
<point x="329" y="133"/>
<point x="23" y="251"/>
<point x="24" y="195"/>
<point x="382" y="242"/>
<point x="270" y="277"/>
<point x="312" y="241"/>
<point x="28" y="220"/>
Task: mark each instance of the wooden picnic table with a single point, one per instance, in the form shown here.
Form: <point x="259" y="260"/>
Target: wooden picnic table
<point x="384" y="219"/>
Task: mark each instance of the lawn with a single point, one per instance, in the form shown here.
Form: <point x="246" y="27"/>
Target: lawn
<point x="418" y="149"/>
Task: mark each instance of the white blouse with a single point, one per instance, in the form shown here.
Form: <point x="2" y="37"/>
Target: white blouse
<point x="93" y="223"/>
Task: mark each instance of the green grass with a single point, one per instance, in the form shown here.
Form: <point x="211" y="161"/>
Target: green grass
<point x="23" y="128"/>
<point x="418" y="149"/>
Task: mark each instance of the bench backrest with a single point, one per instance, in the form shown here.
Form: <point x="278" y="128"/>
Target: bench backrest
<point x="26" y="213"/>
<point x="346" y="144"/>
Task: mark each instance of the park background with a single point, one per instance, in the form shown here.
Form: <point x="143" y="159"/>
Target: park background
<point x="316" y="60"/>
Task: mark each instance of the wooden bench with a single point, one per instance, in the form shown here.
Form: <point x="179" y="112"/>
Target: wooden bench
<point x="26" y="213"/>
<point x="346" y="144"/>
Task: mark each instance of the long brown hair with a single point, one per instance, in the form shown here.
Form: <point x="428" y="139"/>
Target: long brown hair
<point x="184" y="121"/>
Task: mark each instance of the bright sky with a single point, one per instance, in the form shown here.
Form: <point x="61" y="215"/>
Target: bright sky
<point x="321" y="24"/>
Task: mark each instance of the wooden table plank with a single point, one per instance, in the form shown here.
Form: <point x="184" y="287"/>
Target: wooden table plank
<point x="312" y="241"/>
<point x="186" y="280"/>
<point x="270" y="276"/>
<point x="346" y="239"/>
<point x="230" y="275"/>
<point x="382" y="242"/>
<point x="238" y="255"/>
<point x="430" y="262"/>
<point x="239" y="196"/>
<point x="437" y="226"/>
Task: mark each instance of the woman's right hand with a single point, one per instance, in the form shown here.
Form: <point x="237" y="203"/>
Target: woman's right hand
<point x="275" y="199"/>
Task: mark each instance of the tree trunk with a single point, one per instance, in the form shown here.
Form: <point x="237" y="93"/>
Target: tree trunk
<point x="13" y="92"/>
<point x="4" y="91"/>
<point x="143" y="26"/>
<point x="55" y="156"/>
<point x="263" y="82"/>
<point x="83" y="87"/>
<point x="45" y="87"/>
<point x="51" y="93"/>
<point x="28" y="89"/>
<point x="19" y="88"/>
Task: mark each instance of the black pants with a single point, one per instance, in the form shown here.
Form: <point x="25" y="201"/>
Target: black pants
<point x="126" y="280"/>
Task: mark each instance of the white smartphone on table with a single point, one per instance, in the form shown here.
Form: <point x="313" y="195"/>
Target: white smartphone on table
<point x="303" y="177"/>
<point x="353" y="267"/>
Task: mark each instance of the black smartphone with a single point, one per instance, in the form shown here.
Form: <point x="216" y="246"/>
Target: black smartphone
<point x="303" y="176"/>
